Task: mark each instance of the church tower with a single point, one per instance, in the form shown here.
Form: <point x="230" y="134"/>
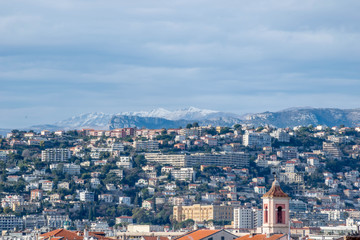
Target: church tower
<point x="275" y="210"/>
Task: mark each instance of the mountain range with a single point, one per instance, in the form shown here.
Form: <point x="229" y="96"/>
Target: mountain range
<point x="162" y="118"/>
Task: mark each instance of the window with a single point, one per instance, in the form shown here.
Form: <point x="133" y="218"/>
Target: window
<point x="210" y="238"/>
<point x="266" y="215"/>
<point x="279" y="215"/>
<point x="222" y="238"/>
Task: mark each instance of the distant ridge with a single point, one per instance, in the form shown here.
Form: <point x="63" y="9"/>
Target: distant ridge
<point x="162" y="118"/>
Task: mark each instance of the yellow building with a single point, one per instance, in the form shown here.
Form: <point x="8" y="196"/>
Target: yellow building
<point x="200" y="213"/>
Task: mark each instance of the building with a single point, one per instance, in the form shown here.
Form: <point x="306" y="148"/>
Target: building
<point x="183" y="174"/>
<point x="332" y="150"/>
<point x="86" y="196"/>
<point x="125" y="200"/>
<point x="150" y="145"/>
<point x="71" y="169"/>
<point x="276" y="210"/>
<point x="36" y="195"/>
<point x="124" y="162"/>
<point x="281" y="135"/>
<point x="288" y="153"/>
<point x="55" y="155"/>
<point x="249" y="218"/>
<point x="47" y="186"/>
<point x="200" y="213"/>
<point x="239" y="159"/>
<point x="10" y="222"/>
<point x="254" y="139"/>
<point x="124" y="219"/>
<point x="206" y="234"/>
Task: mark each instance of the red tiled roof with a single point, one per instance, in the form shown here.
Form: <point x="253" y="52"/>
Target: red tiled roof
<point x="275" y="191"/>
<point x="198" y="234"/>
<point x="261" y="237"/>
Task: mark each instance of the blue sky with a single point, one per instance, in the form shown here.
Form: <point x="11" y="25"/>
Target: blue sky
<point x="62" y="58"/>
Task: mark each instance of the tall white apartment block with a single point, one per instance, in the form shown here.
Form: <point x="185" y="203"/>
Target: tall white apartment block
<point x="248" y="218"/>
<point x="254" y="139"/>
<point x="86" y="196"/>
<point x="55" y="155"/>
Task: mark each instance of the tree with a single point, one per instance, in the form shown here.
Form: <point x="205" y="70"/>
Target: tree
<point x="189" y="125"/>
<point x="195" y="124"/>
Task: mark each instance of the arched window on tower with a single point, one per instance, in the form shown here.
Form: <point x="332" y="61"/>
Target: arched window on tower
<point x="279" y="215"/>
<point x="266" y="216"/>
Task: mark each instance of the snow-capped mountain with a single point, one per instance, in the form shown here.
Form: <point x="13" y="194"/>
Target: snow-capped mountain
<point x="87" y="120"/>
<point x="160" y="117"/>
<point x="191" y="113"/>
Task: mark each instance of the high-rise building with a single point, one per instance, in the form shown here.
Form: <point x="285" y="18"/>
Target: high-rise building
<point x="55" y="155"/>
<point x="254" y="139"/>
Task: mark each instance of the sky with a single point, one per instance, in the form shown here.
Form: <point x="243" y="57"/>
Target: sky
<point x="63" y="58"/>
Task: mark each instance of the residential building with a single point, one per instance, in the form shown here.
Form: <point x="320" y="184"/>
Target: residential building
<point x="198" y="212"/>
<point x="10" y="222"/>
<point x="55" y="155"/>
<point x="86" y="196"/>
<point x="150" y="145"/>
<point x="254" y="139"/>
<point x="72" y="169"/>
<point x="249" y="218"/>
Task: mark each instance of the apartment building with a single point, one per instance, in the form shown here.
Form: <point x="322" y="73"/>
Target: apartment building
<point x="248" y="217"/>
<point x="124" y="162"/>
<point x="254" y="139"/>
<point x="150" y="145"/>
<point x="10" y="222"/>
<point x="71" y="169"/>
<point x="332" y="150"/>
<point x="183" y="174"/>
<point x="281" y="135"/>
<point x="200" y="213"/>
<point x="238" y="159"/>
<point x="86" y="196"/>
<point x="55" y="155"/>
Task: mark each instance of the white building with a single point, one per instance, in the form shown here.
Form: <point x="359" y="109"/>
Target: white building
<point x="71" y="169"/>
<point x="86" y="196"/>
<point x="150" y="145"/>
<point x="125" y="200"/>
<point x="55" y="155"/>
<point x="124" y="162"/>
<point x="247" y="218"/>
<point x="253" y="139"/>
<point x="184" y="174"/>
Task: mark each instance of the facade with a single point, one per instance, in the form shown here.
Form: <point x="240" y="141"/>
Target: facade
<point x="10" y="222"/>
<point x="254" y="139"/>
<point x="200" y="213"/>
<point x="124" y="162"/>
<point x="86" y="196"/>
<point x="248" y="218"/>
<point x="332" y="150"/>
<point x="239" y="159"/>
<point x="55" y="155"/>
<point x="71" y="169"/>
<point x="276" y="210"/>
<point x="150" y="145"/>
<point x="183" y="174"/>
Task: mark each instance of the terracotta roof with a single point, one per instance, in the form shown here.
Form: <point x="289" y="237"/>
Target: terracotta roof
<point x="275" y="191"/>
<point x="155" y="238"/>
<point x="261" y="237"/>
<point x="65" y="234"/>
<point x="70" y="235"/>
<point x="197" y="234"/>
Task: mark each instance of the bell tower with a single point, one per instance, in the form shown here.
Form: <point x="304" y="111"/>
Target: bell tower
<point x="275" y="210"/>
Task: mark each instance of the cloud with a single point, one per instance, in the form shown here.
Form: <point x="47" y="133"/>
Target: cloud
<point x="68" y="57"/>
